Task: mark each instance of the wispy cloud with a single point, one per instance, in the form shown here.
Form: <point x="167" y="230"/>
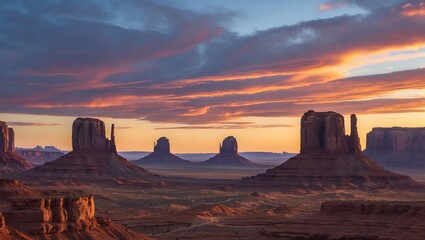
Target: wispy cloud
<point x="161" y="63"/>
<point x="25" y="124"/>
<point x="226" y="126"/>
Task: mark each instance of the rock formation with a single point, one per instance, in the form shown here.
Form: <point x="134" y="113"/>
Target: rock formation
<point x="373" y="207"/>
<point x="10" y="162"/>
<point x="329" y="158"/>
<point x="40" y="155"/>
<point x="88" y="134"/>
<point x="228" y="155"/>
<point x="162" y="155"/>
<point x="93" y="157"/>
<point x="397" y="147"/>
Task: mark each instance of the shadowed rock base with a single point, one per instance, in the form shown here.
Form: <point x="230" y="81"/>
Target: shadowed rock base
<point x="87" y="165"/>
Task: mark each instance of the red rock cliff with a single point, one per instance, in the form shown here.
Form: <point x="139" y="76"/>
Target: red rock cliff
<point x="88" y="134"/>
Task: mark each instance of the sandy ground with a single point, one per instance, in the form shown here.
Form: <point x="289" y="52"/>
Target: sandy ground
<point x="189" y="208"/>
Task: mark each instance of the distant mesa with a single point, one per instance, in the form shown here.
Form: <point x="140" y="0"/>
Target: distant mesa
<point x="397" y="147"/>
<point x="10" y="162"/>
<point x="228" y="155"/>
<point x="162" y="155"/>
<point x="40" y="155"/>
<point x="93" y="156"/>
<point x="329" y="158"/>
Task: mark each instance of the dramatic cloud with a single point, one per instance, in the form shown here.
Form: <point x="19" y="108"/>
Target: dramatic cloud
<point x="32" y="124"/>
<point x="158" y="62"/>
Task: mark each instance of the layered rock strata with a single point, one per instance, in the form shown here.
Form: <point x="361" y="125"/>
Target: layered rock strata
<point x="397" y="147"/>
<point x="329" y="158"/>
<point x="10" y="162"/>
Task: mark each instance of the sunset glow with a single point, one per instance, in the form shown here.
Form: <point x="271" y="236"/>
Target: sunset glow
<point x="198" y="72"/>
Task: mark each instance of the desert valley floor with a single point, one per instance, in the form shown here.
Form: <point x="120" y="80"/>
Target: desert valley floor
<point x="189" y="208"/>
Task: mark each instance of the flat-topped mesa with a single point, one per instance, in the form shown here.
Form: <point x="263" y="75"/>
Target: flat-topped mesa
<point x="396" y="139"/>
<point x="88" y="134"/>
<point x="162" y="145"/>
<point x="324" y="132"/>
<point x="229" y="146"/>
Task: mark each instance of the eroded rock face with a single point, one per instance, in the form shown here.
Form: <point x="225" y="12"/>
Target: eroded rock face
<point x="229" y="145"/>
<point x="2" y="222"/>
<point x="11" y="143"/>
<point x="88" y="134"/>
<point x="373" y="207"/>
<point x="329" y="158"/>
<point x="4" y="137"/>
<point x="10" y="162"/>
<point x="396" y="139"/>
<point x="46" y="216"/>
<point x="162" y="145"/>
<point x="324" y="132"/>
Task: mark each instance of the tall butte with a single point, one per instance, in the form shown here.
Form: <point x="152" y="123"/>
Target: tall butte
<point x="229" y="156"/>
<point x="11" y="163"/>
<point x="93" y="156"/>
<point x="328" y="158"/>
<point x="162" y="155"/>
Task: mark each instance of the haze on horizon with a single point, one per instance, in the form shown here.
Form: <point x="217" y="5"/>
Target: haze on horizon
<point x="198" y="71"/>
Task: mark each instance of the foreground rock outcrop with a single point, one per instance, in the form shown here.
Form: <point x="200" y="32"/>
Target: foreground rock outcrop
<point x="397" y="147"/>
<point x="162" y="155"/>
<point x="329" y="158"/>
<point x="40" y="155"/>
<point x="27" y="214"/>
<point x="228" y="155"/>
<point x="10" y="162"/>
<point x="93" y="157"/>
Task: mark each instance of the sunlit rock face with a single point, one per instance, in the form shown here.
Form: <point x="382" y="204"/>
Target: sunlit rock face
<point x="324" y="132"/>
<point x="397" y="147"/>
<point x="10" y="162"/>
<point x="88" y="134"/>
<point x="94" y="157"/>
<point x="329" y="158"/>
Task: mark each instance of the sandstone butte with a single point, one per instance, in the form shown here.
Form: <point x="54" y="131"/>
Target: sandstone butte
<point x="28" y="214"/>
<point x="397" y="147"/>
<point x="162" y="155"/>
<point x="93" y="156"/>
<point x="11" y="163"/>
<point x="330" y="159"/>
<point x="228" y="155"/>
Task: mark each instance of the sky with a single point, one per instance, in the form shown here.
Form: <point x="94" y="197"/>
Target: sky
<point x="197" y="71"/>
